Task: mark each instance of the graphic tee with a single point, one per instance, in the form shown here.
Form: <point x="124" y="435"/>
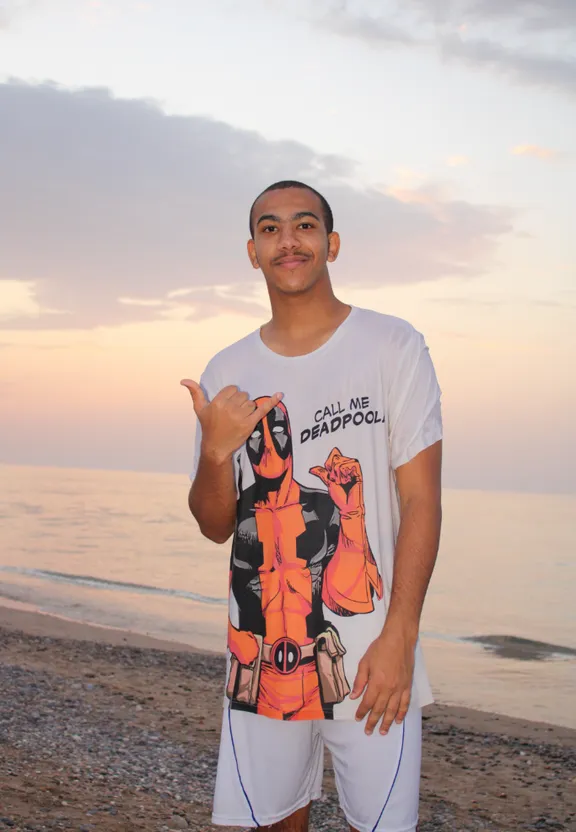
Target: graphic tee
<point x="312" y="556"/>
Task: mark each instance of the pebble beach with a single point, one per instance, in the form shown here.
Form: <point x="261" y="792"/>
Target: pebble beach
<point x="106" y="730"/>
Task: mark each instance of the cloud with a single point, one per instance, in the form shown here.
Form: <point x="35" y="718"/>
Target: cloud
<point x="201" y="302"/>
<point x="444" y="26"/>
<point x="10" y="9"/>
<point x="534" y="150"/>
<point x="528" y="68"/>
<point x="471" y="301"/>
<point x="544" y="15"/>
<point x="115" y="212"/>
<point x="373" y="30"/>
<point x="429" y="195"/>
<point x="6" y="14"/>
<point x="474" y="301"/>
<point x="457" y="161"/>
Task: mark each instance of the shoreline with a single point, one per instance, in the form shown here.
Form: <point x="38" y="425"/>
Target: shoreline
<point x="19" y="616"/>
<point x="24" y="618"/>
<point x="34" y="622"/>
<point x="112" y="730"/>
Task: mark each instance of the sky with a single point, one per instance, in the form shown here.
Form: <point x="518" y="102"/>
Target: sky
<point x="136" y="133"/>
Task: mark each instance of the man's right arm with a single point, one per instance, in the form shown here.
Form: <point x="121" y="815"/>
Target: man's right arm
<point x="212" y="498"/>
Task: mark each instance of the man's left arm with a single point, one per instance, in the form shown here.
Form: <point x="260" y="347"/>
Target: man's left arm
<point x="386" y="671"/>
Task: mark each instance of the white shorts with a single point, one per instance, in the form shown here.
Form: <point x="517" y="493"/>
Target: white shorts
<point x="269" y="768"/>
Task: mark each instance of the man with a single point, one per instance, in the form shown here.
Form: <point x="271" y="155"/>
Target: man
<point x="319" y="451"/>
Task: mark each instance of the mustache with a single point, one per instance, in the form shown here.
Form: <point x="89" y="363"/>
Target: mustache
<point x="291" y="254"/>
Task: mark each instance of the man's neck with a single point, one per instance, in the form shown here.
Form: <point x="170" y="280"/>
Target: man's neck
<point x="301" y="324"/>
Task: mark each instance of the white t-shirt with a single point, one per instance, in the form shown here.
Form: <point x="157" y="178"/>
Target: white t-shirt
<point x="318" y="514"/>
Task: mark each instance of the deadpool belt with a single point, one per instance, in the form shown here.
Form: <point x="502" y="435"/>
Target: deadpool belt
<point x="285" y="655"/>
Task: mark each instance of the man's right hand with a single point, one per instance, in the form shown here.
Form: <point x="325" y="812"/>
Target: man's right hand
<point x="228" y="420"/>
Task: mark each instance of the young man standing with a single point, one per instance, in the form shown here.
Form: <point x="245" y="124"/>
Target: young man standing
<point x="319" y="450"/>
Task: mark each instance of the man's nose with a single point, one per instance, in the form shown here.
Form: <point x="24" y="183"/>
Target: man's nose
<point x="287" y="240"/>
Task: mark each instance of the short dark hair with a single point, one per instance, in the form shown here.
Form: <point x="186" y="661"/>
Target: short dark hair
<point x="289" y="183"/>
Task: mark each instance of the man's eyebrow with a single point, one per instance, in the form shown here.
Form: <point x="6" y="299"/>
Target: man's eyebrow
<point x="270" y="217"/>
<point x="302" y="214"/>
<point x="298" y="216"/>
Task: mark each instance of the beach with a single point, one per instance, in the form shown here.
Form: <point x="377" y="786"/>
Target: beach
<point x="120" y="549"/>
<point x="104" y="729"/>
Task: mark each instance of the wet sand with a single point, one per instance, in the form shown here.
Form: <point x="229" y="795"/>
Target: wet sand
<point x="102" y="729"/>
<point x="521" y="649"/>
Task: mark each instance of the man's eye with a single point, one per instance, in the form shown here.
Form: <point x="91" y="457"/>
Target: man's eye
<point x="268" y="228"/>
<point x="306" y="225"/>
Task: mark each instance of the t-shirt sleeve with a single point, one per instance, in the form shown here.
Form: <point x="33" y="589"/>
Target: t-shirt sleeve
<point x="209" y="384"/>
<point x="415" y="416"/>
<point x="196" y="453"/>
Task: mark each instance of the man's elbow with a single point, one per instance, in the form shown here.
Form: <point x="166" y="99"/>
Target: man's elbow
<point x="216" y="535"/>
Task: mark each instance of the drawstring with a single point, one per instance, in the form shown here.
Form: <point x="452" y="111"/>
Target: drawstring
<point x="375" y="827"/>
<point x="238" y="769"/>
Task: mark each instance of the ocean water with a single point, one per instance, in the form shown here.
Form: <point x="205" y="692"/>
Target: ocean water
<point x="121" y="549"/>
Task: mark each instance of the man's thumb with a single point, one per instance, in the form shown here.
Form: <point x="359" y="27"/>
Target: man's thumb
<point x="198" y="397"/>
<point x="360" y="682"/>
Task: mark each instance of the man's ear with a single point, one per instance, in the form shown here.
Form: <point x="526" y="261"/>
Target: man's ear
<point x="252" y="254"/>
<point x="333" y="246"/>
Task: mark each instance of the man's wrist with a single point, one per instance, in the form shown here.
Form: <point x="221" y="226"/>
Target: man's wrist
<point x="402" y="627"/>
<point x="214" y="455"/>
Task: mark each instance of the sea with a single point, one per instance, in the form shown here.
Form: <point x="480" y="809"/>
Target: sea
<point x="121" y="550"/>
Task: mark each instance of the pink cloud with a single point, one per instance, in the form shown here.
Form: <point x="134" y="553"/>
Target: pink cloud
<point x="534" y="150"/>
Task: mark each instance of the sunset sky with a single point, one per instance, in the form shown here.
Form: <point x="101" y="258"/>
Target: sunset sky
<point x="134" y="136"/>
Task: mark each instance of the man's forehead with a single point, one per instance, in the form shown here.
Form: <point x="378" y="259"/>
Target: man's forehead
<point x="285" y="202"/>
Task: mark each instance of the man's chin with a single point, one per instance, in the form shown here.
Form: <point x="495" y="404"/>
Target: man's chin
<point x="293" y="283"/>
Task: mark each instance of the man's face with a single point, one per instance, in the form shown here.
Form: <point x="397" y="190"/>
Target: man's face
<point x="270" y="444"/>
<point x="290" y="243"/>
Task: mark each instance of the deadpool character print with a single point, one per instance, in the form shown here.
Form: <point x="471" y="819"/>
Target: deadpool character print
<point x="297" y="552"/>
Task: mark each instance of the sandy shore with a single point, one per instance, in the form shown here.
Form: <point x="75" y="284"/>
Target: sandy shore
<point x="102" y="729"/>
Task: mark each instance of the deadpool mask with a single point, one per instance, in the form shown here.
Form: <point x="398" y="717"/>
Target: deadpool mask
<point x="270" y="444"/>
